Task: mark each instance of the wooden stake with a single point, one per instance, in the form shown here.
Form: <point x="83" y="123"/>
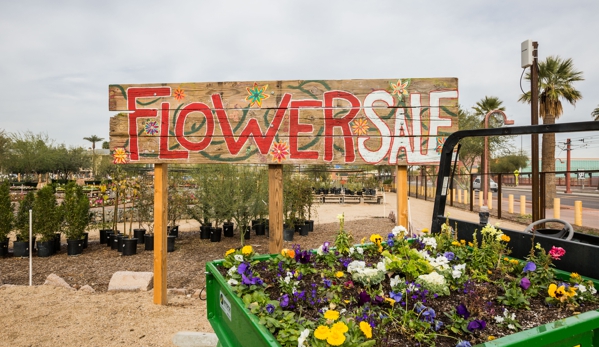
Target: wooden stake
<point x="402" y="195"/>
<point x="275" y="208"/>
<point x="160" y="221"/>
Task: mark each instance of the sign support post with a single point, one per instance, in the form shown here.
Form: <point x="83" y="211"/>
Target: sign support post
<point x="275" y="208"/>
<point x="402" y="195"/>
<point x="160" y="221"/>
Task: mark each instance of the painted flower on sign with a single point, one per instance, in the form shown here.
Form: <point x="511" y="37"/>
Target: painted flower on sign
<point x="179" y="94"/>
<point x="360" y="126"/>
<point x="440" y="143"/>
<point x="120" y="156"/>
<point x="279" y="151"/>
<point x="256" y="94"/>
<point x="400" y="89"/>
<point x="151" y="127"/>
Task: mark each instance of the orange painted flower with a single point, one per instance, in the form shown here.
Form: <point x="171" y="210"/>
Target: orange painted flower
<point x="120" y="156"/>
<point x="440" y="143"/>
<point x="279" y="151"/>
<point x="256" y="95"/>
<point x="400" y="89"/>
<point x="179" y="94"/>
<point x="360" y="126"/>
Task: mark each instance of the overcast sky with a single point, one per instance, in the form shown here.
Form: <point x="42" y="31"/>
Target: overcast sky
<point x="57" y="58"/>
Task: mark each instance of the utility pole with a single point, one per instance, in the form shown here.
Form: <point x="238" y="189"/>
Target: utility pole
<point x="534" y="120"/>
<point x="568" y="149"/>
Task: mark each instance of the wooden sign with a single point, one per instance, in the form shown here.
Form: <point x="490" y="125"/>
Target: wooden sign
<point x="380" y="122"/>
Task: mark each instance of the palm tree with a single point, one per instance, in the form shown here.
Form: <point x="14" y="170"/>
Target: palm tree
<point x="556" y="78"/>
<point x="93" y="139"/>
<point x="487" y="104"/>
<point x="595" y="113"/>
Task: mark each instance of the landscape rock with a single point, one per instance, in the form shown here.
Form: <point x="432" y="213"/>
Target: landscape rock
<point x="87" y="289"/>
<point x="176" y="291"/>
<point x="57" y="281"/>
<point x="195" y="339"/>
<point x="196" y="294"/>
<point x="128" y="281"/>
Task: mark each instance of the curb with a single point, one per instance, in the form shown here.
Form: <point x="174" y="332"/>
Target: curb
<point x="195" y="339"/>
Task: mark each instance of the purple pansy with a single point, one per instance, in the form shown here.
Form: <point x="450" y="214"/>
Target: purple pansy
<point x="530" y="266"/>
<point x="449" y="255"/>
<point x="524" y="283"/>
<point x="477" y="324"/>
<point x="270" y="308"/>
<point x="363" y="298"/>
<point x="395" y="296"/>
<point x="463" y="344"/>
<point x="284" y="300"/>
<point x="462" y="311"/>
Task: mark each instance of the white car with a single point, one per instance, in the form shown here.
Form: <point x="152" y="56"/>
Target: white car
<point x="477" y="184"/>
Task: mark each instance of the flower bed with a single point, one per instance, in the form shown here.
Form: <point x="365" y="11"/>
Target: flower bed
<point x="397" y="292"/>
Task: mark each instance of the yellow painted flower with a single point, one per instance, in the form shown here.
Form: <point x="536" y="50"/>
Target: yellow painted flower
<point x="505" y="238"/>
<point x="322" y="332"/>
<point x="339" y="274"/>
<point x="247" y="250"/>
<point x="120" y="156"/>
<point x="229" y="252"/>
<point x="366" y="329"/>
<point x="360" y="126"/>
<point x="376" y="238"/>
<point x="332" y="315"/>
<point x="551" y="290"/>
<point x="340" y="327"/>
<point x="335" y="338"/>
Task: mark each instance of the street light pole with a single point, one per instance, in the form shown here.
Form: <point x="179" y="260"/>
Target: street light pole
<point x="486" y="155"/>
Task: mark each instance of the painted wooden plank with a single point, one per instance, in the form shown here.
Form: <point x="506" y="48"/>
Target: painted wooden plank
<point x="160" y="233"/>
<point x="298" y="122"/>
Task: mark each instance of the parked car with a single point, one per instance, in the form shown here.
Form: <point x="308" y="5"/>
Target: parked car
<point x="478" y="182"/>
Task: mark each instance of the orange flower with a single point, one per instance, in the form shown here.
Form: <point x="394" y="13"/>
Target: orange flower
<point x="120" y="156"/>
<point x="179" y="94"/>
<point x="279" y="151"/>
<point x="360" y="126"/>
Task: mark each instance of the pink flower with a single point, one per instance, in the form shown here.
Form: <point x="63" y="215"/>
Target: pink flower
<point x="557" y="252"/>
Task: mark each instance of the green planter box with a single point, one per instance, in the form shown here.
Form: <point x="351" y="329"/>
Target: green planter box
<point x="235" y="326"/>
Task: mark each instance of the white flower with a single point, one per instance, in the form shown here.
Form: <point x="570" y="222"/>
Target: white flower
<point x="238" y="257"/>
<point x="342" y="311"/>
<point x="232" y="270"/>
<point x="398" y="230"/>
<point x="356" y="266"/>
<point x="232" y="282"/>
<point x="430" y="241"/>
<point x="319" y="250"/>
<point x="458" y="270"/>
<point x="351" y="250"/>
<point x="381" y="266"/>
<point x="511" y="326"/>
<point x="592" y="289"/>
<point x="582" y="288"/>
<point x="394" y="281"/>
<point x="360" y="250"/>
<point x="433" y="278"/>
<point x="498" y="319"/>
<point x="302" y="338"/>
<point x="440" y="263"/>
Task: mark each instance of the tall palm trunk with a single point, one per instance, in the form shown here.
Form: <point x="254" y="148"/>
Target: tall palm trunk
<point x="548" y="163"/>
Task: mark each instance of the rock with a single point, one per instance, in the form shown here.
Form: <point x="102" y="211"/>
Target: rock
<point x="56" y="281"/>
<point x="127" y="281"/>
<point x="176" y="291"/>
<point x="195" y="339"/>
<point x="196" y="294"/>
<point x="87" y="289"/>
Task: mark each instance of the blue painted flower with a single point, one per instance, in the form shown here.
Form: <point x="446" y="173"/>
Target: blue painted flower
<point x="530" y="266"/>
<point x="284" y="300"/>
<point x="462" y="311"/>
<point x="270" y="308"/>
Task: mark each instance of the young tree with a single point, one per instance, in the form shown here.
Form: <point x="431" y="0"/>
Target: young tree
<point x="556" y="83"/>
<point x="6" y="211"/>
<point x="509" y="163"/>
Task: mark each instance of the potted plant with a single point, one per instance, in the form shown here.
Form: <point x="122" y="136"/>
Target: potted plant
<point x="128" y="243"/>
<point x="6" y="217"/>
<point x="46" y="220"/>
<point x="104" y="227"/>
<point x="75" y="208"/>
<point x="144" y="209"/>
<point x="245" y="188"/>
<point x="177" y="205"/>
<point x="21" y="245"/>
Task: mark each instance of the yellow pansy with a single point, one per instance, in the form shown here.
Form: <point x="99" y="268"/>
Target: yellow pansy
<point x="335" y="338"/>
<point x="340" y="327"/>
<point x="322" y="332"/>
<point x="376" y="239"/>
<point x="505" y="238"/>
<point x="331" y="314"/>
<point x="391" y="301"/>
<point x="366" y="329"/>
<point x="425" y="231"/>
<point x="339" y="274"/>
<point x="247" y="250"/>
<point x="463" y="241"/>
<point x="551" y="290"/>
<point x="229" y="252"/>
<point x="575" y="276"/>
<point x="456" y="243"/>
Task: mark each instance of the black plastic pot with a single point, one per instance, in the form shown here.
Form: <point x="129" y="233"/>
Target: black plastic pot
<point x="170" y="243"/>
<point x="129" y="246"/>
<point x="228" y="229"/>
<point x="301" y="229"/>
<point x="85" y="238"/>
<point x="57" y="242"/>
<point x="116" y="240"/>
<point x="205" y="232"/>
<point x="139" y="235"/>
<point x="288" y="234"/>
<point x="4" y="248"/>
<point x="149" y="242"/>
<point x="173" y="230"/>
<point x="259" y="227"/>
<point x="215" y="234"/>
<point x="20" y="248"/>
<point x="103" y="235"/>
<point x="74" y="247"/>
<point x="247" y="233"/>
<point x="45" y="248"/>
<point x="32" y="243"/>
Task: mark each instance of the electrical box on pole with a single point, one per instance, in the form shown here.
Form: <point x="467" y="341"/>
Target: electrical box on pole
<point x="526" y="58"/>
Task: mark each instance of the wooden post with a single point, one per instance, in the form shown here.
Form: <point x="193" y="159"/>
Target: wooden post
<point x="275" y="208"/>
<point x="402" y="195"/>
<point x="160" y="221"/>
